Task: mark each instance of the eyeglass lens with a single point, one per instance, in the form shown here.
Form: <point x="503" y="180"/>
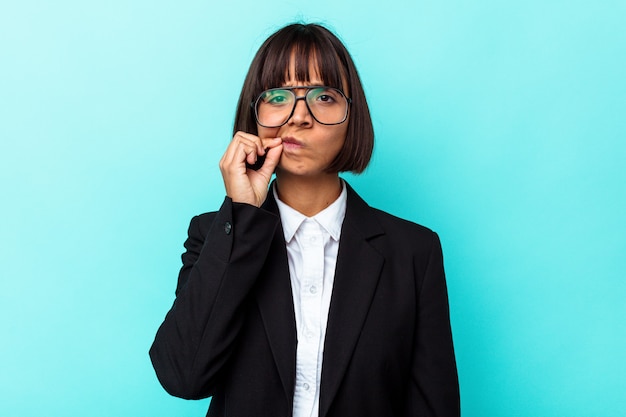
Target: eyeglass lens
<point x="327" y="105"/>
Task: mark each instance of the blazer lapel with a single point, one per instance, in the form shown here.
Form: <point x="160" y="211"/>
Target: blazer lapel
<point x="356" y="277"/>
<point x="274" y="298"/>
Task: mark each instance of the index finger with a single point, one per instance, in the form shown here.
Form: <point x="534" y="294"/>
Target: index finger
<point x="253" y="139"/>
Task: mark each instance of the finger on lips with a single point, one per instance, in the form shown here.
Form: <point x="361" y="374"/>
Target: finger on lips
<point x="247" y="148"/>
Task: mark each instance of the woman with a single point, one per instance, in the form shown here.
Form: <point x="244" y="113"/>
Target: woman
<point x="297" y="298"/>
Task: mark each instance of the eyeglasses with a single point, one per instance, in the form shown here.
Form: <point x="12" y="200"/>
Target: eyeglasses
<point x="327" y="105"/>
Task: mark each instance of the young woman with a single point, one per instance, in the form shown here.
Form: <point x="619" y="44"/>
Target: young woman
<point x="296" y="298"/>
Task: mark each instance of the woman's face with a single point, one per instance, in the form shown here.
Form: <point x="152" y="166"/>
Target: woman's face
<point x="308" y="146"/>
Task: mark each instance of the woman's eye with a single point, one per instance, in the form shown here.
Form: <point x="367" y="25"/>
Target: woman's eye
<point x="325" y="96"/>
<point x="276" y="97"/>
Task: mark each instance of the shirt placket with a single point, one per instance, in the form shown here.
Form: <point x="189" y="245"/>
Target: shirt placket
<point x="312" y="244"/>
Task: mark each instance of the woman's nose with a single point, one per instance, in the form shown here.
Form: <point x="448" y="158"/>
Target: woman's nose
<point x="301" y="114"/>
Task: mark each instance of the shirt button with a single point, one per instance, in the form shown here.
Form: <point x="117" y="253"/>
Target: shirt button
<point x="228" y="228"/>
<point x="313" y="289"/>
<point x="306" y="386"/>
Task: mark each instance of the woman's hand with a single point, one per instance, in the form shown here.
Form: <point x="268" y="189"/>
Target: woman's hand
<point x="244" y="185"/>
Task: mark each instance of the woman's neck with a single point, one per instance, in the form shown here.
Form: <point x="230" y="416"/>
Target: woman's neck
<point x="309" y="196"/>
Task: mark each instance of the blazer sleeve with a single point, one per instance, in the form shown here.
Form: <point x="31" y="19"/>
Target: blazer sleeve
<point x="225" y="252"/>
<point x="434" y="387"/>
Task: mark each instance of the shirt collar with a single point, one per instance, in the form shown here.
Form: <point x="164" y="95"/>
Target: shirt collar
<point x="331" y="218"/>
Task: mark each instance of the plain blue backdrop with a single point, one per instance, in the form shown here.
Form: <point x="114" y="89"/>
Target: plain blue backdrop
<point x="501" y="125"/>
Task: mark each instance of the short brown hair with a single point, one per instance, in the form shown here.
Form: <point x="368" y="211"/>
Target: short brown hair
<point x="270" y="68"/>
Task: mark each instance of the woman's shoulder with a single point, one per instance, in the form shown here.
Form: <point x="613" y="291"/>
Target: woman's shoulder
<point x="403" y="239"/>
<point x="395" y="225"/>
<point x="388" y="223"/>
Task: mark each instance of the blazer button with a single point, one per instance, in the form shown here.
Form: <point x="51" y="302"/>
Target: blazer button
<point x="228" y="228"/>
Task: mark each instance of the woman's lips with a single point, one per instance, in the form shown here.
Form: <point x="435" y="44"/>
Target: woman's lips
<point x="291" y="143"/>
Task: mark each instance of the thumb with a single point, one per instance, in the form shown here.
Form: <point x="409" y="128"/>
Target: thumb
<point x="272" y="158"/>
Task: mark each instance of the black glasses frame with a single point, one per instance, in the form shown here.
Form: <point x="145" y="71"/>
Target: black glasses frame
<point x="308" y="89"/>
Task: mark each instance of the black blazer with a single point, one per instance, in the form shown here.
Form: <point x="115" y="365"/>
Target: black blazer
<point x="231" y="332"/>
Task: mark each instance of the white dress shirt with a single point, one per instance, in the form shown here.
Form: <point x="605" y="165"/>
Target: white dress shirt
<point x="312" y="245"/>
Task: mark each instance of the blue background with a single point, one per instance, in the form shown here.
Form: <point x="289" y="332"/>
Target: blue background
<point x="501" y="125"/>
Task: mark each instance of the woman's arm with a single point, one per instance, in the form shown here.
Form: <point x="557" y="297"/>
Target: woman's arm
<point x="225" y="252"/>
<point x="434" y="390"/>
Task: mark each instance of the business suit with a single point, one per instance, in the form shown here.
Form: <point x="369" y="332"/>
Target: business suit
<point x="231" y="332"/>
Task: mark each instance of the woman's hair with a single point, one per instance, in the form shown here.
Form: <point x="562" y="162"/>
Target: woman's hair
<point x="303" y="42"/>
